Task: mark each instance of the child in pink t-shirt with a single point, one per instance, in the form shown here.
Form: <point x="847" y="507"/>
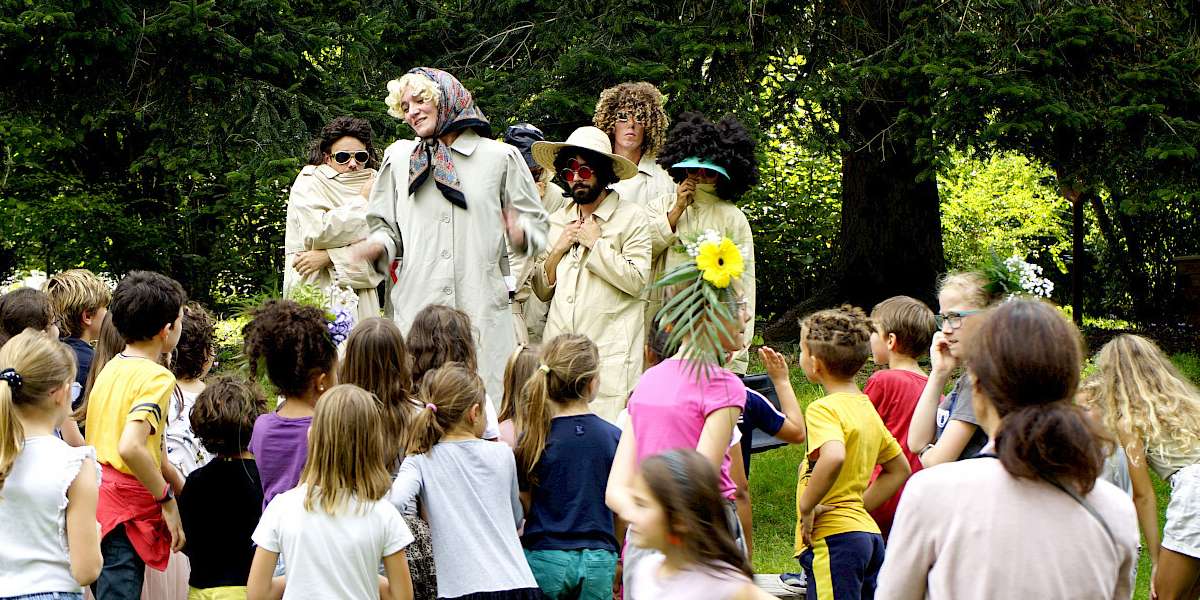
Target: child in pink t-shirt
<point x="904" y="329"/>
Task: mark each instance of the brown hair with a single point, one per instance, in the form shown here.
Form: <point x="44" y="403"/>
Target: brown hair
<point x="224" y="414"/>
<point x="452" y="389"/>
<point x="973" y="286"/>
<point x="1025" y="361"/>
<point x="520" y="367"/>
<point x="144" y="303"/>
<point x="1144" y="399"/>
<point x="840" y="338"/>
<point x="73" y="293"/>
<point x="346" y="455"/>
<point x="633" y="96"/>
<point x="686" y="485"/>
<point x="108" y="345"/>
<point x="376" y="360"/>
<point x="291" y="342"/>
<point x="910" y="320"/>
<point x="40" y="365"/>
<point x="440" y="334"/>
<point x="24" y="308"/>
<point x="569" y="364"/>
<point x="340" y="127"/>
<point x="197" y="342"/>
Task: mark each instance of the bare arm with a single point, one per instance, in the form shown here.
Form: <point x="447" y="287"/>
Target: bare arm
<point x="924" y="420"/>
<point x="620" y="477"/>
<point x="949" y="447"/>
<point x="399" y="579"/>
<point x="132" y="449"/>
<point x="1145" y="501"/>
<point x="83" y="534"/>
<point x="829" y="460"/>
<point x="718" y="430"/>
<point x="259" y="585"/>
<point x="71" y="434"/>
<point x="793" y="430"/>
<point x="895" y="472"/>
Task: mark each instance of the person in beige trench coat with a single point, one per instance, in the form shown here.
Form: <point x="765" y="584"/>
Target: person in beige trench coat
<point x="595" y="272"/>
<point x="445" y="209"/>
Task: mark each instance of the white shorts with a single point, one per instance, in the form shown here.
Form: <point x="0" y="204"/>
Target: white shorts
<point x="1182" y="531"/>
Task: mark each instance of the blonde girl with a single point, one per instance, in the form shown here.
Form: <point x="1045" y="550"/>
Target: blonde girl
<point x="49" y="543"/>
<point x="945" y="429"/>
<point x="467" y="488"/>
<point x="1155" y="413"/>
<point x="520" y="368"/>
<point x="333" y="528"/>
<point x="564" y="455"/>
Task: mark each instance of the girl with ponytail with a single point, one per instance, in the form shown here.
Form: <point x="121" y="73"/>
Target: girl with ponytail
<point x="564" y="454"/>
<point x="467" y="488"/>
<point x="1036" y="480"/>
<point x="49" y="543"/>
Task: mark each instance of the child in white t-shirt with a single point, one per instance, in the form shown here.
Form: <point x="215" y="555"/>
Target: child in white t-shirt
<point x="333" y="528"/>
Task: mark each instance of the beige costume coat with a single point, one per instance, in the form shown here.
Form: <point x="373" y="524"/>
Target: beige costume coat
<point x="598" y="293"/>
<point x="453" y="256"/>
<point x="326" y="211"/>
<point x="650" y="182"/>
<point x="707" y="211"/>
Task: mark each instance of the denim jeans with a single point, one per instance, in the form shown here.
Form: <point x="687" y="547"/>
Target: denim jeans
<point x="570" y="574"/>
<point x="47" y="596"/>
<point x="123" y="572"/>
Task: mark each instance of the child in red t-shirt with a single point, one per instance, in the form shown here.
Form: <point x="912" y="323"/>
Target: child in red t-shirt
<point x="904" y="328"/>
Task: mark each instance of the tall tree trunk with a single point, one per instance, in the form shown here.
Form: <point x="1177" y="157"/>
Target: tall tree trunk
<point x="1139" y="288"/>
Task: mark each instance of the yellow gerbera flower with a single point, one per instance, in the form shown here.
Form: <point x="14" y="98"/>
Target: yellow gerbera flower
<point x="720" y="262"/>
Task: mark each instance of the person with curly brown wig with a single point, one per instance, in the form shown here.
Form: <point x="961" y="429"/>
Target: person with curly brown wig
<point x="714" y="164"/>
<point x="327" y="213"/>
<point x="633" y="116"/>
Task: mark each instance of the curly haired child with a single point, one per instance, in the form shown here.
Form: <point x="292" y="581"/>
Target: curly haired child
<point x="292" y="343"/>
<point x="838" y="544"/>
<point x="1155" y="413"/>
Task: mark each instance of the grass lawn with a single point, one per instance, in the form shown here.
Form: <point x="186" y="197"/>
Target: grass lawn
<point x="773" y="490"/>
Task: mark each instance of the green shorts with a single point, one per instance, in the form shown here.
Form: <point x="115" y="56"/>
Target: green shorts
<point x="582" y="574"/>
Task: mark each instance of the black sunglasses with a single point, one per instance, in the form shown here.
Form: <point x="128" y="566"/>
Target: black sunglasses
<point x="343" y="157"/>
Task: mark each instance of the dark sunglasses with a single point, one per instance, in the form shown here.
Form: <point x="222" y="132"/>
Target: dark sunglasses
<point x="343" y="157"/>
<point x="576" y="171"/>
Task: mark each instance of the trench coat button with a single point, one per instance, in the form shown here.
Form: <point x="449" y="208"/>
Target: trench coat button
<point x="447" y="290"/>
<point x="445" y="254"/>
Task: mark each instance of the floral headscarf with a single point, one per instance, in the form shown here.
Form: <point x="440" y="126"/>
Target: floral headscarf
<point x="456" y="111"/>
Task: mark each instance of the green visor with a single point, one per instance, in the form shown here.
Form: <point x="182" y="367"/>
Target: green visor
<point x="694" y="162"/>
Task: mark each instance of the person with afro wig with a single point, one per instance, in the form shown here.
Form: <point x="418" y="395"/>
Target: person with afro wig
<point x="714" y="164"/>
<point x="633" y="116"/>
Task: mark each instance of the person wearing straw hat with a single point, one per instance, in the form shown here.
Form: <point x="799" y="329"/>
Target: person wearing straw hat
<point x="598" y="263"/>
<point x="528" y="310"/>
<point x="446" y="208"/>
<point x="714" y="164"/>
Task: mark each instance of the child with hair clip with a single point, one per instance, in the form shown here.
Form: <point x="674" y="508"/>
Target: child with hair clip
<point x="441" y="334"/>
<point x="376" y="359"/>
<point x="221" y="502"/>
<point x="520" y="368"/>
<point x="564" y="455"/>
<point x="1154" y="411"/>
<point x="293" y="344"/>
<point x="335" y="526"/>
<point x="49" y="543"/>
<point x="676" y="509"/>
<point x="468" y="490"/>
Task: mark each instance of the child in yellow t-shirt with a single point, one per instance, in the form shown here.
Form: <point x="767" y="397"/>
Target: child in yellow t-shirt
<point x="838" y="544"/>
<point x="126" y="418"/>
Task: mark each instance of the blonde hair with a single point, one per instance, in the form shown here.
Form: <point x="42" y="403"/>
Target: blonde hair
<point x="1144" y="398"/>
<point x="73" y="293"/>
<point x="628" y="95"/>
<point x="570" y="362"/>
<point x="520" y="367"/>
<point x="423" y="87"/>
<point x="42" y="364"/>
<point x="346" y="452"/>
<point x="971" y="285"/>
<point x="447" y="395"/>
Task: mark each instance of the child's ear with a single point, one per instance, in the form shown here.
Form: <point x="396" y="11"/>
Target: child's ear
<point x="891" y="341"/>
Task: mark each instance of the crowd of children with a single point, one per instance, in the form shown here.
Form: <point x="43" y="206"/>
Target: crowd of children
<point x="378" y="471"/>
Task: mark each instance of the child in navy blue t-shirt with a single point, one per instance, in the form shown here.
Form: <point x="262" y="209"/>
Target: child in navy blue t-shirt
<point x="564" y="455"/>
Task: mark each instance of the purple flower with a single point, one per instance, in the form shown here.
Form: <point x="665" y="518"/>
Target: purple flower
<point x="340" y="326"/>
